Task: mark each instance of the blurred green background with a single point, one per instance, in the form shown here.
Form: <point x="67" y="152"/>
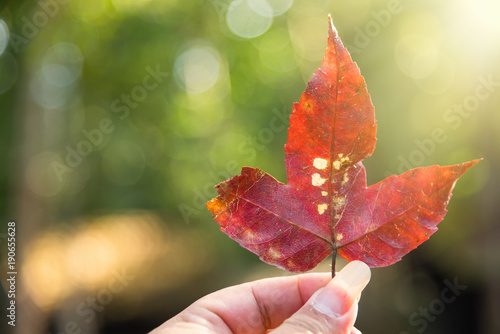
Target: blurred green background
<point x="118" y="117"/>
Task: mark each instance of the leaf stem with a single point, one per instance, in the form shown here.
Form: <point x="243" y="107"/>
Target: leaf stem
<point x="334" y="259"/>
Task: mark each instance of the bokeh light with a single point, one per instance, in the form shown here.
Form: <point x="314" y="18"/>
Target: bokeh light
<point x="279" y="6"/>
<point x="52" y="84"/>
<point x="62" y="64"/>
<point x="87" y="258"/>
<point x="46" y="279"/>
<point x="4" y="36"/>
<point x="416" y="55"/>
<point x="197" y="68"/>
<point x="307" y="29"/>
<point x="249" y="18"/>
<point x="46" y="94"/>
<point x="441" y="79"/>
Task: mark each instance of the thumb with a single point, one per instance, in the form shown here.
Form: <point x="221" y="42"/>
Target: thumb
<point x="332" y="309"/>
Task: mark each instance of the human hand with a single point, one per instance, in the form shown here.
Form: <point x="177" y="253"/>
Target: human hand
<point x="307" y="303"/>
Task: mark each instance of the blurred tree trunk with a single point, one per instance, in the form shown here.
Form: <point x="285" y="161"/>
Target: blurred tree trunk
<point x="28" y="210"/>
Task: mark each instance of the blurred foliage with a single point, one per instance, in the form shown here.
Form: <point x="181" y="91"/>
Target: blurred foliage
<point x="113" y="106"/>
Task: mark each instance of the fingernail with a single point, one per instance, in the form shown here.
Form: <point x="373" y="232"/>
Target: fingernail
<point x="355" y="331"/>
<point x="340" y="293"/>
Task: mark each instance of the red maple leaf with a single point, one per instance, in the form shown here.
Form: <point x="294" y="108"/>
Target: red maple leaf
<point x="326" y="205"/>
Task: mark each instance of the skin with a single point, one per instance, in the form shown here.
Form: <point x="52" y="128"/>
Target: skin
<point x="281" y="305"/>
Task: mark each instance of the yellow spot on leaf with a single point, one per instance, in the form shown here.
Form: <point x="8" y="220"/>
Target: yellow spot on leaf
<point x="322" y="208"/>
<point x="320" y="163"/>
<point x="324" y="193"/>
<point x="317" y="180"/>
<point x="336" y="164"/>
<point x="273" y="253"/>
<point x="340" y="161"/>
<point x="345" y="178"/>
<point x="339" y="236"/>
<point x="338" y="202"/>
<point x="250" y="235"/>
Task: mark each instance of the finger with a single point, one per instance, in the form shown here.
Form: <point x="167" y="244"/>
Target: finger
<point x="264" y="304"/>
<point x="253" y="307"/>
<point x="334" y="308"/>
